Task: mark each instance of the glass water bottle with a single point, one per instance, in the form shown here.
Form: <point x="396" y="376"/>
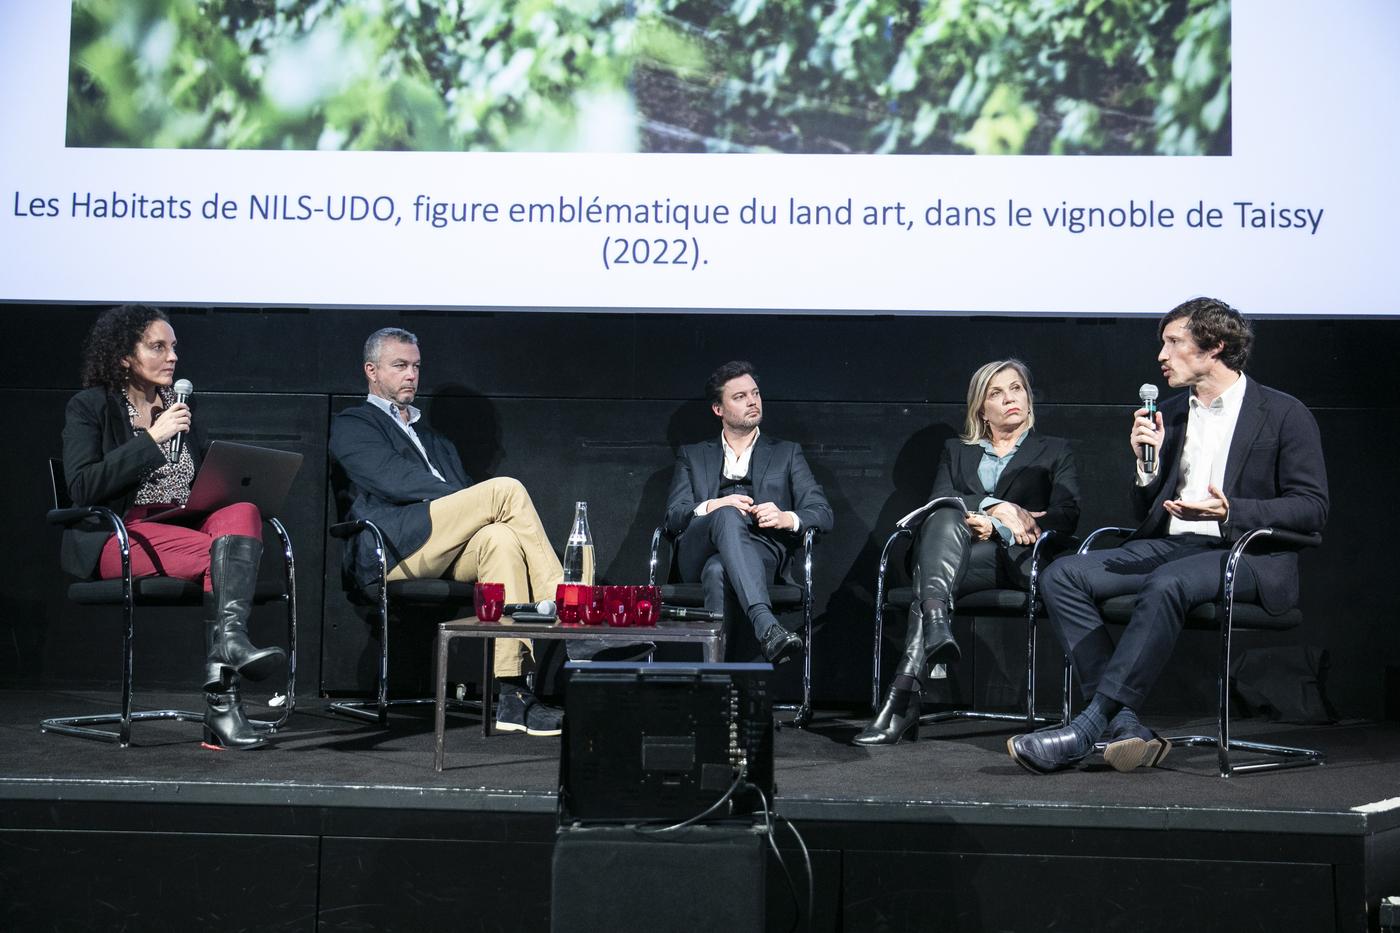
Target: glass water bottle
<point x="578" y="552"/>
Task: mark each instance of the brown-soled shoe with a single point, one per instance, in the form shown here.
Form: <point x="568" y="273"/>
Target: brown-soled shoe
<point x="1136" y="752"/>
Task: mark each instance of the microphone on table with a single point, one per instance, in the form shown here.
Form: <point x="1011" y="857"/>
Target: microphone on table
<point x="683" y="614"/>
<point x="1147" y="394"/>
<point x="183" y="390"/>
<point x="544" y="607"/>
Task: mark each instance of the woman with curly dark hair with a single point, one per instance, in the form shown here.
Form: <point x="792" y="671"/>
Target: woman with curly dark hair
<point x="119" y="451"/>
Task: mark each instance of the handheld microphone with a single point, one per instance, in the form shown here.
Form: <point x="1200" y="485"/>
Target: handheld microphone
<point x="1147" y="394"/>
<point x="544" y="607"/>
<point x="682" y="614"/>
<point x="183" y="390"/>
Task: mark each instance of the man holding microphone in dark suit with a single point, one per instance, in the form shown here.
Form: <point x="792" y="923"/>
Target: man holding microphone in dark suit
<point x="1230" y="455"/>
<point x="737" y="503"/>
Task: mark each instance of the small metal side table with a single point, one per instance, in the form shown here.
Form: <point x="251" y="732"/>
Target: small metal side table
<point x="709" y="635"/>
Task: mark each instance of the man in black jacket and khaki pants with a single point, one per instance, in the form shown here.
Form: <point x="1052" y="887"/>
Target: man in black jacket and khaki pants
<point x="437" y="523"/>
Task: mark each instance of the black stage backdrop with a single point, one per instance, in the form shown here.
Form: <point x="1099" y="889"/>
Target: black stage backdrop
<point x="591" y="406"/>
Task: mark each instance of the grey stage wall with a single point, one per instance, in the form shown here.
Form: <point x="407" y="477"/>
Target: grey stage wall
<point x="591" y="406"/>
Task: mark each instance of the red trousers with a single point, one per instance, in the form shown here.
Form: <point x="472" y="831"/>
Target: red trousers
<point x="182" y="551"/>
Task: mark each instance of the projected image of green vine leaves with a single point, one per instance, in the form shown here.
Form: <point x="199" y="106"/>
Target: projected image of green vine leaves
<point x="939" y="76"/>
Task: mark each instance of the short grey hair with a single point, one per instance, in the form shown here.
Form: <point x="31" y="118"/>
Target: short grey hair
<point x="375" y="344"/>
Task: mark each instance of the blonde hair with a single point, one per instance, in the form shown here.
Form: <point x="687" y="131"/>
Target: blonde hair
<point x="974" y="428"/>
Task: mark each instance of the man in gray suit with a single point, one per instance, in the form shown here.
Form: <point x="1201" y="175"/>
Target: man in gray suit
<point x="737" y="504"/>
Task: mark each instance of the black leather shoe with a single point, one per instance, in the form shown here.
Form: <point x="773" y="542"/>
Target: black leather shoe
<point x="780" y="645"/>
<point x="1048" y="751"/>
<point x="898" y="719"/>
<point x="939" y="645"/>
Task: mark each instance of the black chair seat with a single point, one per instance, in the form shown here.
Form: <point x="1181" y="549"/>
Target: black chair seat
<point x="1119" y="609"/>
<point x="999" y="602"/>
<point x="420" y="592"/>
<point x="158" y="591"/>
<point x="782" y="595"/>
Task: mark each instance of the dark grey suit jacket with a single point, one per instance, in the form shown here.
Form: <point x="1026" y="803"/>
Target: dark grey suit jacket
<point x="780" y="475"/>
<point x="1274" y="476"/>
<point x="1039" y="478"/>
<point x="391" y="483"/>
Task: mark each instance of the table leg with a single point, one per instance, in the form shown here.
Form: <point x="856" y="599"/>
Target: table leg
<point x="440" y="706"/>
<point x="488" y="688"/>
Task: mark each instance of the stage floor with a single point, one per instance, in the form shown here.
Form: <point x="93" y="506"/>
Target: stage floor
<point x="951" y="796"/>
<point x="952" y="765"/>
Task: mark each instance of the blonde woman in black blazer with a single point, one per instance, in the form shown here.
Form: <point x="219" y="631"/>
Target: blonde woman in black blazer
<point x="1016" y="484"/>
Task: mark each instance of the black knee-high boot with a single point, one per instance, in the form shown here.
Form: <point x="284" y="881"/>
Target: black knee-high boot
<point x="225" y="722"/>
<point x="898" y="717"/>
<point x="944" y="541"/>
<point x="233" y="574"/>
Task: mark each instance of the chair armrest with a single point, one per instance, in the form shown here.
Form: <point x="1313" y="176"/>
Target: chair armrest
<point x="347" y="530"/>
<point x="1052" y="542"/>
<point x="809" y="549"/>
<point x="656" y="537"/>
<point x="917" y="517"/>
<point x="1118" y="530"/>
<point x="1275" y="536"/>
<point x="75" y="514"/>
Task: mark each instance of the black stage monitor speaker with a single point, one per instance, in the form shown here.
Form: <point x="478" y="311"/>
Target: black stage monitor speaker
<point x="664" y="742"/>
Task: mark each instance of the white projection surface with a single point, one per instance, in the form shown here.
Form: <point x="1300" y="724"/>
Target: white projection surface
<point x="1300" y="218"/>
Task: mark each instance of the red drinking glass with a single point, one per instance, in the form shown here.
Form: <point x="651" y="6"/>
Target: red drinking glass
<point x="617" y="601"/>
<point x="569" y="599"/>
<point x="594" y="610"/>
<point x="489" y="600"/>
<point x="646" y="605"/>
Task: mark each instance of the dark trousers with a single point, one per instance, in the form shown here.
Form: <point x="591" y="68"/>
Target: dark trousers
<point x="1170" y="576"/>
<point x="721" y="550"/>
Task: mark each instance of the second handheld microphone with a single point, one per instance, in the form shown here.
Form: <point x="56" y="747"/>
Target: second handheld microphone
<point x="1147" y="394"/>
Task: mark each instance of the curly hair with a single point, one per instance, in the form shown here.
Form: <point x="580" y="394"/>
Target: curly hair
<point x="113" y="338"/>
<point x="1212" y="323"/>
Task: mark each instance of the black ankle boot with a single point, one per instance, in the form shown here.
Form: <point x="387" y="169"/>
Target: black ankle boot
<point x="226" y="724"/>
<point x="897" y="719"/>
<point x="233" y="572"/>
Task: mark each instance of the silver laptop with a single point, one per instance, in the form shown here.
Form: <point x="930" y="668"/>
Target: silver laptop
<point x="233" y="473"/>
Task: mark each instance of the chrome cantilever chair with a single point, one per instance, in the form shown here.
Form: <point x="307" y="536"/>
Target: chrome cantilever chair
<point x="129" y="592"/>
<point x="1010" y="604"/>
<point x="1228" y="616"/>
<point x="785" y="597"/>
<point x="383" y="595"/>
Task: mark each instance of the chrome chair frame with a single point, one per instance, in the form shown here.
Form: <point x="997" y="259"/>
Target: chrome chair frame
<point x="85" y="727"/>
<point x="1285" y="756"/>
<point x="802" y="712"/>
<point x="377" y="709"/>
<point x="908" y="530"/>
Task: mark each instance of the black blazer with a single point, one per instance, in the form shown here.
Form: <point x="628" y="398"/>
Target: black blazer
<point x="1274" y="476"/>
<point x="1040" y="477"/>
<point x="105" y="463"/>
<point x="391" y="483"/>
<point x="780" y="476"/>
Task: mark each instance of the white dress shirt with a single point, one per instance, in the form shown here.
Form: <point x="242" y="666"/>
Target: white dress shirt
<point x="1209" y="430"/>
<point x="413" y="415"/>
<point x="736" y="466"/>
